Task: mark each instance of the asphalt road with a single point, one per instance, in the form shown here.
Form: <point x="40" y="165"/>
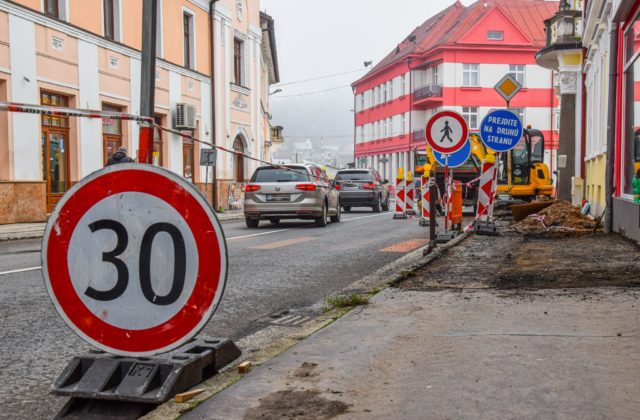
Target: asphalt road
<point x="271" y="269"/>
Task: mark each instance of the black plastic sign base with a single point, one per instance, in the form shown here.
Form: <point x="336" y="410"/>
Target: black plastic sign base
<point x="485" y="228"/>
<point x="96" y="380"/>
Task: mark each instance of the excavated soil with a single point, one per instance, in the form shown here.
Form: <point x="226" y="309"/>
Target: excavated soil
<point x="522" y="262"/>
<point x="291" y="404"/>
<point x="558" y="220"/>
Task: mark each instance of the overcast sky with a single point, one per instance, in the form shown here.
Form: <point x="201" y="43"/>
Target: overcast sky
<point x="317" y="38"/>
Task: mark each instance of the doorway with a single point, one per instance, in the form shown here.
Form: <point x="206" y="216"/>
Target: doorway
<point x="55" y="150"/>
<point x="238" y="159"/>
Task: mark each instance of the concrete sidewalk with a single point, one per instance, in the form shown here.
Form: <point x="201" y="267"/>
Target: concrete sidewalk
<point x="16" y="231"/>
<point x="469" y="349"/>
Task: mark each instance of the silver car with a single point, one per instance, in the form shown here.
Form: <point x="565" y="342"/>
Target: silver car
<point x="291" y="192"/>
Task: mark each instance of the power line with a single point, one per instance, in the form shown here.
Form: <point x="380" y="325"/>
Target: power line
<point x="311" y="93"/>
<point x="318" y="78"/>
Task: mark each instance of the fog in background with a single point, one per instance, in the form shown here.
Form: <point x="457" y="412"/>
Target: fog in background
<point x="318" y="38"/>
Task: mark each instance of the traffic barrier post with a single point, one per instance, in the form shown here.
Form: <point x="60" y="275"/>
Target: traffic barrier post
<point x="483" y="223"/>
<point x="410" y="196"/>
<point x="400" y="212"/>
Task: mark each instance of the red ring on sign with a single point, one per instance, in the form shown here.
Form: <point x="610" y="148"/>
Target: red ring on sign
<point x="209" y="265"/>
<point x="434" y="145"/>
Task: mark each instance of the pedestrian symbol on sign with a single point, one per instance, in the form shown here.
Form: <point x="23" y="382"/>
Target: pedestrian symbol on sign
<point x="447" y="130"/>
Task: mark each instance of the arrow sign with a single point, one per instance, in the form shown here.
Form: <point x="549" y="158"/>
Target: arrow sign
<point x="457" y="158"/>
<point x="134" y="260"/>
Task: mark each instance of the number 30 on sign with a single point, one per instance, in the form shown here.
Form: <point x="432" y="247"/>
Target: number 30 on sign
<point x="134" y="260"/>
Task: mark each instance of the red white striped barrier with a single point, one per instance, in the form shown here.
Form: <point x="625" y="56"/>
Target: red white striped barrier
<point x="486" y="189"/>
<point x="410" y="196"/>
<point x="400" y="212"/>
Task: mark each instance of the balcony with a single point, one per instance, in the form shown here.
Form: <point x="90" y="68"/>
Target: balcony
<point x="427" y="96"/>
<point x="428" y="91"/>
<point x="564" y="35"/>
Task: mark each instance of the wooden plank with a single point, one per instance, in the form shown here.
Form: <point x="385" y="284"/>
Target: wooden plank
<point x="186" y="396"/>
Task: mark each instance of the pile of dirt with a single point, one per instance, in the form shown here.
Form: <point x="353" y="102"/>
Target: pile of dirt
<point x="561" y="218"/>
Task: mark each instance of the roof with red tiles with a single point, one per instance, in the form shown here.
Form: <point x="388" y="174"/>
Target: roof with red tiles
<point x="451" y="25"/>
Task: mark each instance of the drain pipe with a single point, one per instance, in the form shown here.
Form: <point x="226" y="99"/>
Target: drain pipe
<point x="611" y="126"/>
<point x="212" y="47"/>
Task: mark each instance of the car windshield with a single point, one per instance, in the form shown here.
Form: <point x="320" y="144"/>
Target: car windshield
<point x="271" y="174"/>
<point x="353" y="176"/>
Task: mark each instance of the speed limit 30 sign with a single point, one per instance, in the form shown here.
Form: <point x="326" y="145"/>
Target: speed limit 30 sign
<point x="134" y="260"/>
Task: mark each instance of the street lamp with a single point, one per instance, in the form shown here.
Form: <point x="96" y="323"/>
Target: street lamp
<point x="275" y="91"/>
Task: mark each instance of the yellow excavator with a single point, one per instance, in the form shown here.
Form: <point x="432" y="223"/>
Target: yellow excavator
<point x="529" y="174"/>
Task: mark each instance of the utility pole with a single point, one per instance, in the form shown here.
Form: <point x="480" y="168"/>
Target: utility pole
<point x="148" y="77"/>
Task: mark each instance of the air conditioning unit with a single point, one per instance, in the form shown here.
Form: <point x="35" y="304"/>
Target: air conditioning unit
<point x="185" y="117"/>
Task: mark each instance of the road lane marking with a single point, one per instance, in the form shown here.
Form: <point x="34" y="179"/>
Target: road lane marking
<point x="259" y="234"/>
<point x="406" y="246"/>
<point x="366" y="217"/>
<point x="285" y="243"/>
<point x="21" y="270"/>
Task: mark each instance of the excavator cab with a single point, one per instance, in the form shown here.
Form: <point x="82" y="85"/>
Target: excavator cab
<point x="529" y="174"/>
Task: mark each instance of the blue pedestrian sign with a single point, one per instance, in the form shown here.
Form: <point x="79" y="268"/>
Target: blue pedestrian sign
<point x="501" y="130"/>
<point x="456" y="158"/>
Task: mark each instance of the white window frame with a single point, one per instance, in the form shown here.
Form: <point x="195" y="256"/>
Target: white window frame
<point x="63" y="10"/>
<point x="403" y="122"/>
<point x="519" y="72"/>
<point x="192" y="38"/>
<point x="468" y="113"/>
<point x="468" y="71"/>
<point x="435" y="76"/>
<point x="384" y="93"/>
<point x="117" y="20"/>
<point x="362" y="102"/>
<point x="403" y="84"/>
<point x="374" y="96"/>
<point x="159" y="31"/>
<point x="379" y="100"/>
<point x="391" y="90"/>
<point x="517" y="111"/>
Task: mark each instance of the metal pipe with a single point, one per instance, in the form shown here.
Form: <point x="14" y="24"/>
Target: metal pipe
<point x="611" y="126"/>
<point x="148" y="76"/>
<point x="214" y="183"/>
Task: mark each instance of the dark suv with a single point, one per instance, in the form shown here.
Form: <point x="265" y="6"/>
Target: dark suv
<point x="362" y="188"/>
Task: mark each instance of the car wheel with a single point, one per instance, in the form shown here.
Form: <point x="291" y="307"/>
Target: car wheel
<point x="275" y="221"/>
<point x="376" y="206"/>
<point x="347" y="209"/>
<point x="385" y="206"/>
<point x="336" y="218"/>
<point x="252" y="223"/>
<point x="322" y="220"/>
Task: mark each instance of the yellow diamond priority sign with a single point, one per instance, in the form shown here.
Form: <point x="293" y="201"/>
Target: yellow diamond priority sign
<point x="508" y="87"/>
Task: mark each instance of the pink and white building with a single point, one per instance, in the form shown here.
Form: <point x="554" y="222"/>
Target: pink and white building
<point x="453" y="61"/>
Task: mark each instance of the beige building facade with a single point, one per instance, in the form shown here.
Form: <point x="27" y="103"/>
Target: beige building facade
<point x="86" y="54"/>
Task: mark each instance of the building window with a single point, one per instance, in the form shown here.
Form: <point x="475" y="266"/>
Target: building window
<point x="470" y="115"/>
<point x="384" y="93"/>
<point x="391" y="90"/>
<point x="51" y="8"/>
<point x="157" y="143"/>
<point x="495" y="35"/>
<point x="470" y="75"/>
<point x="404" y="123"/>
<point x="372" y="94"/>
<point x="111" y="133"/>
<point x="379" y="95"/>
<point x="389" y="127"/>
<point x="362" y="102"/>
<point x="519" y="112"/>
<point x="518" y="72"/>
<point x="435" y="77"/>
<point x="188" y="156"/>
<point x="55" y="149"/>
<point x="362" y="134"/>
<point x="631" y="134"/>
<point x="238" y="59"/>
<point x="187" y="40"/>
<point x="403" y="84"/>
<point x="109" y="14"/>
